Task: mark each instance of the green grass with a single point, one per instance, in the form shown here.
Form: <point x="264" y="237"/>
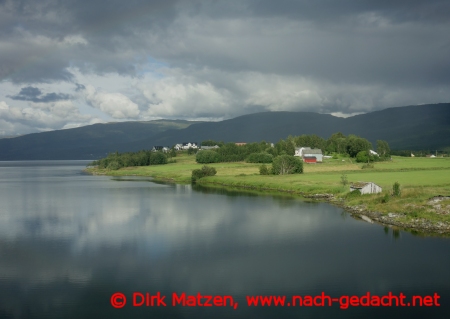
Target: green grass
<point x="420" y="179"/>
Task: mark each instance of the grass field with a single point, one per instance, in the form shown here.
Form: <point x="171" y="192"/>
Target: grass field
<point x="420" y="179"/>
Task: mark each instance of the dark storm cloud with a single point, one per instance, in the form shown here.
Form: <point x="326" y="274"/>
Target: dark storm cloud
<point x="351" y="40"/>
<point x="35" y="37"/>
<point x="33" y="94"/>
<point x="325" y="11"/>
<point x="227" y="58"/>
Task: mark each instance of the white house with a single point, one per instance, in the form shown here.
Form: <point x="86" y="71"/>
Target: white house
<point x="188" y="145"/>
<point x="299" y="150"/>
<point x="365" y="187"/>
<point x="372" y="152"/>
<point x="185" y="146"/>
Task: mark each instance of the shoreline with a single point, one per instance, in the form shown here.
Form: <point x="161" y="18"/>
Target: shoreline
<point x="418" y="225"/>
<point x="421" y="225"/>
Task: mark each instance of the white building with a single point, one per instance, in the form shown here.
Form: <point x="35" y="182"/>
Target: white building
<point x="185" y="146"/>
<point x="365" y="187"/>
<point x="299" y="150"/>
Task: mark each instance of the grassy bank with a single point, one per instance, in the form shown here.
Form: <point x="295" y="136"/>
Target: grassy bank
<point x="420" y="180"/>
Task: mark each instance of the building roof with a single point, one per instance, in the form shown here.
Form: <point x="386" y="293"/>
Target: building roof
<point x="361" y="184"/>
<point x="313" y="151"/>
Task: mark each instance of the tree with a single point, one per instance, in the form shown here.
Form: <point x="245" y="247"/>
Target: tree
<point x="207" y="156"/>
<point x="158" y="158"/>
<point x="260" y="158"/>
<point x="383" y="148"/>
<point x="286" y="164"/>
<point x="357" y="144"/>
<point x="364" y="157"/>
<point x="264" y="170"/>
<point x="191" y="151"/>
<point x="204" y="171"/>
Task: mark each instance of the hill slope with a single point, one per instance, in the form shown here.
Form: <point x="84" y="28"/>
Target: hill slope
<point x="92" y="141"/>
<point x="409" y="127"/>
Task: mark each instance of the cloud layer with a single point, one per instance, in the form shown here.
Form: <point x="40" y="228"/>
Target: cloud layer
<point x="140" y="60"/>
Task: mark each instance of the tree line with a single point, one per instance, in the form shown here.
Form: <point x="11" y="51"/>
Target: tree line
<point x="117" y="160"/>
<point x="263" y="152"/>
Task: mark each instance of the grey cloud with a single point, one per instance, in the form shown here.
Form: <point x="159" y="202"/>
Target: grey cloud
<point x="327" y="11"/>
<point x="227" y="58"/>
<point x="34" y="94"/>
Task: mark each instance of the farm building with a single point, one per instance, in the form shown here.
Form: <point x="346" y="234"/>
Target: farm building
<point x="365" y="188"/>
<point x="317" y="153"/>
<point x="299" y="150"/>
<point x="308" y="152"/>
<point x="309" y="159"/>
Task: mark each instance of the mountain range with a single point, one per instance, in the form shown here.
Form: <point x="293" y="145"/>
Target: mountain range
<point x="409" y="127"/>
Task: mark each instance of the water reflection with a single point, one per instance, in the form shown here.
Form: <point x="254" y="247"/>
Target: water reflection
<point x="69" y="240"/>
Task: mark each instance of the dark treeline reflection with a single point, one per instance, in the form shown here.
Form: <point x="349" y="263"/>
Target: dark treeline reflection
<point x="68" y="241"/>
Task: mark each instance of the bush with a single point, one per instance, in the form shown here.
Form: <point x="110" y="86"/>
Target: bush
<point x="158" y="158"/>
<point x="192" y="151"/>
<point x="114" y="165"/>
<point x="287" y="164"/>
<point x="204" y="171"/>
<point x="355" y="193"/>
<point x="263" y="170"/>
<point x="385" y="198"/>
<point x="396" y="189"/>
<point x="344" y="180"/>
<point x="205" y="157"/>
<point x="260" y="158"/>
<point x="362" y="157"/>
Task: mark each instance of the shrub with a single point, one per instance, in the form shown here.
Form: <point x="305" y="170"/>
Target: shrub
<point x="260" y="158"/>
<point x="158" y="158"/>
<point x="385" y="198"/>
<point x="192" y="151"/>
<point x="355" y="193"/>
<point x="204" y="171"/>
<point x="287" y="164"/>
<point x="205" y="157"/>
<point x="396" y="189"/>
<point x="362" y="157"/>
<point x="263" y="170"/>
<point x="114" y="165"/>
<point x="344" y="180"/>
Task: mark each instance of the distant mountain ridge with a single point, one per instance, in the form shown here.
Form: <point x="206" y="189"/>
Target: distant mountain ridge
<point x="408" y="127"/>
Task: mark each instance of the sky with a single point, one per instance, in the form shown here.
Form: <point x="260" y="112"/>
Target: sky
<point x="72" y="63"/>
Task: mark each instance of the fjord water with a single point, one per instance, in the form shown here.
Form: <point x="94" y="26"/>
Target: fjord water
<point x="69" y="240"/>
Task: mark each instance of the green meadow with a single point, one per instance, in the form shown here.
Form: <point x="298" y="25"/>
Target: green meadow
<point x="420" y="179"/>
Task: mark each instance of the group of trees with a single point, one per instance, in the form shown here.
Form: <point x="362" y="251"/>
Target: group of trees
<point x="117" y="160"/>
<point x="263" y="152"/>
<point x="230" y="152"/>
<point x="282" y="165"/>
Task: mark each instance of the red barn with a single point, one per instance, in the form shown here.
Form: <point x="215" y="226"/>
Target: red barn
<point x="309" y="159"/>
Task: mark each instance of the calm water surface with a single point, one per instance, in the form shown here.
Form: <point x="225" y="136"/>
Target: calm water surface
<point x="68" y="241"/>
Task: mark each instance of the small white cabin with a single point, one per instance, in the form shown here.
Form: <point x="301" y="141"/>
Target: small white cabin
<point x="365" y="188"/>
